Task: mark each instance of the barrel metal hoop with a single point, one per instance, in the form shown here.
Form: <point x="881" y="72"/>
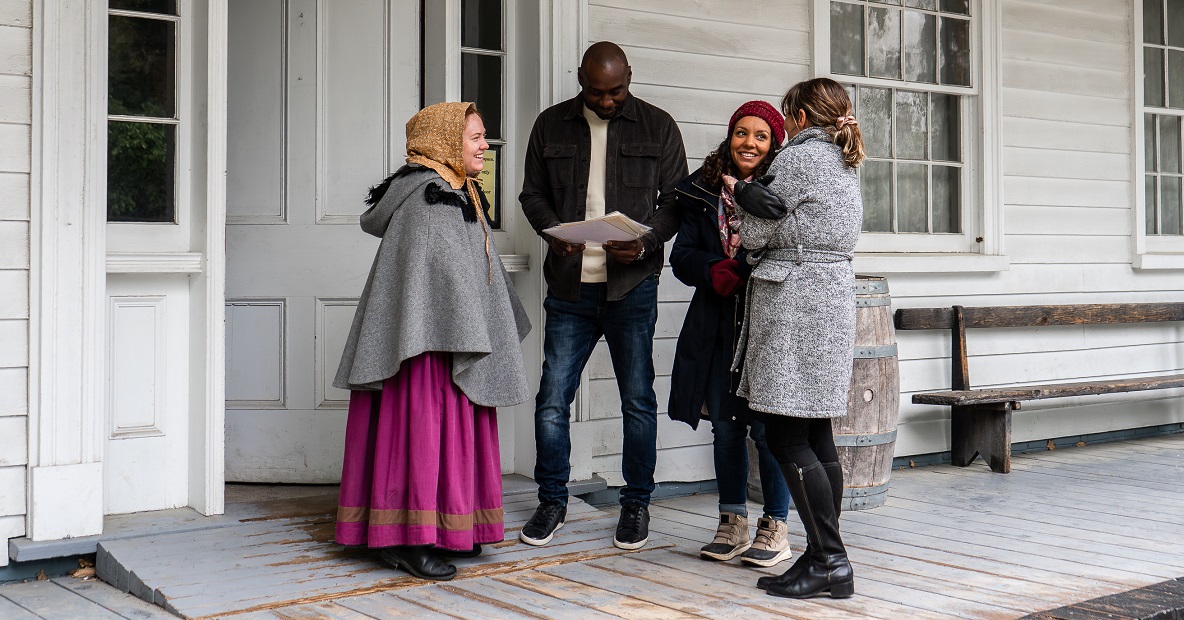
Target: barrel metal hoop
<point x="870" y="302"/>
<point x="878" y="489"/>
<point x="865" y="287"/>
<point x="865" y="440"/>
<point x="883" y="350"/>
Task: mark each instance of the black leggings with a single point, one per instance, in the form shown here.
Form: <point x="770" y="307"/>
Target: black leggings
<point x="800" y="442"/>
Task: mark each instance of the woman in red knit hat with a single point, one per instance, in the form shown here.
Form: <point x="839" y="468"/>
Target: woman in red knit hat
<point x="708" y="256"/>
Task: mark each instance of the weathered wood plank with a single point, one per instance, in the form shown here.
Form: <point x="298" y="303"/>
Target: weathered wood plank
<point x="102" y="594"/>
<point x="449" y="599"/>
<point x="49" y="600"/>
<point x="1037" y="316"/>
<point x="11" y="611"/>
<point x="589" y="596"/>
<point x="1051" y="390"/>
<point x="546" y="606"/>
<point x="323" y="611"/>
<point x="386" y="605"/>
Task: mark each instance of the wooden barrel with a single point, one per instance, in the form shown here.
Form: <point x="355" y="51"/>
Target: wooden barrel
<point x="866" y="436"/>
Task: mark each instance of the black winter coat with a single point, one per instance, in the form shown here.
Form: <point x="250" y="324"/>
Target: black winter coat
<point x="712" y="321"/>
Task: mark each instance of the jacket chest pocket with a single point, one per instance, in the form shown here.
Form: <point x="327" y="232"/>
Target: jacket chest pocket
<point x="639" y="165"/>
<point x="560" y="161"/>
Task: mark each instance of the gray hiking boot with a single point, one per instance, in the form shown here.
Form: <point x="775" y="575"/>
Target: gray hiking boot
<point x="771" y="545"/>
<point x="731" y="538"/>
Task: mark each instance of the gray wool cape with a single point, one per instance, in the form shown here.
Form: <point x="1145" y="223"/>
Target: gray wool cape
<point x="798" y="336"/>
<point x="429" y="290"/>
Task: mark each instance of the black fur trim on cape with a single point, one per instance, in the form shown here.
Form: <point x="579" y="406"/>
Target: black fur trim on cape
<point x="378" y="191"/>
<point x="435" y="194"/>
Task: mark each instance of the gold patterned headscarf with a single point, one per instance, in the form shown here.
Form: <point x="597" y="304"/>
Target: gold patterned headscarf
<point x="435" y="138"/>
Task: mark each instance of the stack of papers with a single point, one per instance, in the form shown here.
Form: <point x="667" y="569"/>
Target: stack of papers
<point x="614" y="226"/>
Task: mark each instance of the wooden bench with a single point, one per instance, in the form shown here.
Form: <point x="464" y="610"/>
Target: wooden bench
<point x="980" y="420"/>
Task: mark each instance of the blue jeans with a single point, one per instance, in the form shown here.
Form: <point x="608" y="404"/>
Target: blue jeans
<point x="572" y="330"/>
<point x="731" y="468"/>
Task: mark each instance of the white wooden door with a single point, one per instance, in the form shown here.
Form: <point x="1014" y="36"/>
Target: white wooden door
<point x="318" y="94"/>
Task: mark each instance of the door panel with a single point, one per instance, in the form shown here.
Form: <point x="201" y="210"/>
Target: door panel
<point x="313" y="88"/>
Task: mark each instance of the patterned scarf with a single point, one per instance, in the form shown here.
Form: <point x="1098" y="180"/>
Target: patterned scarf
<point x="435" y="138"/>
<point x="729" y="222"/>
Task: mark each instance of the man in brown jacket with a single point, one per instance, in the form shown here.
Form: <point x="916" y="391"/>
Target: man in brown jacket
<point x="602" y="151"/>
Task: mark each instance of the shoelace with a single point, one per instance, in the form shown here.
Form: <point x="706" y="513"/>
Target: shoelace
<point x="546" y="515"/>
<point x="631" y="520"/>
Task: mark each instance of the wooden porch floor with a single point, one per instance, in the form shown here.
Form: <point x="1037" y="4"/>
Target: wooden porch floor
<point x="1064" y="527"/>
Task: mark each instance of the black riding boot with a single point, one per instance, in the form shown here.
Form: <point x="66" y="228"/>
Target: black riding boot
<point x="834" y="472"/>
<point x="826" y="569"/>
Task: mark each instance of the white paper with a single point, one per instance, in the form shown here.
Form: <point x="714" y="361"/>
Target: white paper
<point x="614" y="226"/>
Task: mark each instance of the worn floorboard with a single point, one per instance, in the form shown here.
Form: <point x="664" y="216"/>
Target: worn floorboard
<point x="1085" y="529"/>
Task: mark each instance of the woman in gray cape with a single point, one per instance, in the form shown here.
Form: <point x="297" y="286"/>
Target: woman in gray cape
<point x="433" y="351"/>
<point x="799" y="334"/>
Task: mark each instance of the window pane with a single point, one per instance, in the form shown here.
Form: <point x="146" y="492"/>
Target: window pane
<point x="1176" y="78"/>
<point x="1151" y="197"/>
<point x="167" y="7"/>
<point x="896" y="2"/>
<point x="947" y="199"/>
<point x="883" y="43"/>
<point x="920" y="47"/>
<point x="1153" y="76"/>
<point x="1175" y="19"/>
<point x="481" y="83"/>
<point x="1149" y="148"/>
<point x="922" y="4"/>
<point x="1153" y="21"/>
<point x="947" y="140"/>
<point x="481" y="24"/>
<point x="140" y="164"/>
<point x="1169" y="144"/>
<point x="912" y="197"/>
<point x="955" y="51"/>
<point x="912" y="124"/>
<point x="1170" y="206"/>
<point x="875" y="183"/>
<point x="141" y="74"/>
<point x="961" y="7"/>
<point x="875" y="119"/>
<point x="846" y="38"/>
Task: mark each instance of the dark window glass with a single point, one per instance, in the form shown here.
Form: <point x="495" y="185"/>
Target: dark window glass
<point x="955" y="51"/>
<point x="166" y="7"/>
<point x="1152" y="198"/>
<point x="1153" y="76"/>
<point x="920" y="47"/>
<point x="1170" y="206"/>
<point x="1153" y="21"/>
<point x="1176" y="78"/>
<point x="140" y="172"/>
<point x="883" y="43"/>
<point x="875" y="183"/>
<point x="912" y="198"/>
<point x="961" y="7"/>
<point x="947" y="199"/>
<point x="846" y="38"/>
<point x="141" y="78"/>
<point x="481" y="83"/>
<point x="481" y="24"/>
<point x="1175" y="19"/>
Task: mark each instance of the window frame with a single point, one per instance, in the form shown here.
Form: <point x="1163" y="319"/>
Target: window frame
<point x="980" y="247"/>
<point x="1149" y="251"/>
<point x="124" y="237"/>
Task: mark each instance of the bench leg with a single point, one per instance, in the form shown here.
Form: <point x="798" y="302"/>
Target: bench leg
<point x="982" y="430"/>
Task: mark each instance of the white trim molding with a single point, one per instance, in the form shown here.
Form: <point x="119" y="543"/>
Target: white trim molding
<point x="67" y="269"/>
<point x="154" y="262"/>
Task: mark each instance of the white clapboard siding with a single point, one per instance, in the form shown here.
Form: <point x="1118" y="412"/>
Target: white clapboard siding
<point x="13" y="441"/>
<point x="16" y="68"/>
<point x="698" y="60"/>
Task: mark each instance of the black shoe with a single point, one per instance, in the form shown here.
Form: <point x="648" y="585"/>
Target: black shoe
<point x="788" y="575"/>
<point x="419" y="560"/>
<point x="541" y="527"/>
<point x="827" y="569"/>
<point x="469" y="553"/>
<point x="633" y="529"/>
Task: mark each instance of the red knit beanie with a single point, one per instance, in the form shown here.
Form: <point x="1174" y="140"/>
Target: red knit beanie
<point x="764" y="111"/>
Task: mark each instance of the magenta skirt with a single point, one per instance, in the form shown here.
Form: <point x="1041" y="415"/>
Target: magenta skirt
<point x="422" y="464"/>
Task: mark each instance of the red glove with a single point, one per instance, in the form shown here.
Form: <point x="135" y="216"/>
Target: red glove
<point x="725" y="277"/>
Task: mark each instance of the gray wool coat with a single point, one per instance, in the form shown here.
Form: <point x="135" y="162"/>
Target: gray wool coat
<point x="798" y="335"/>
<point x="429" y="290"/>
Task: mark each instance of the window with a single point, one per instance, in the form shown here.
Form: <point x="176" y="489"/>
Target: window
<point x="142" y="110"/>
<point x="482" y="76"/>
<point x="1163" y="104"/>
<point x="916" y="74"/>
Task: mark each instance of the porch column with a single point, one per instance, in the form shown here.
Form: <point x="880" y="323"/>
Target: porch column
<point x="67" y="276"/>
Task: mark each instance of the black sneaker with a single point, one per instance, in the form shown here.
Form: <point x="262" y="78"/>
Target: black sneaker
<point x="541" y="527"/>
<point x="633" y="530"/>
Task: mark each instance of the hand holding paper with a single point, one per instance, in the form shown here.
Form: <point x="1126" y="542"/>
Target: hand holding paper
<point x="612" y="227"/>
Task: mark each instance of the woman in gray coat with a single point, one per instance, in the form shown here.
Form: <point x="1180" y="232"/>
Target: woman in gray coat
<point x="799" y="332"/>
